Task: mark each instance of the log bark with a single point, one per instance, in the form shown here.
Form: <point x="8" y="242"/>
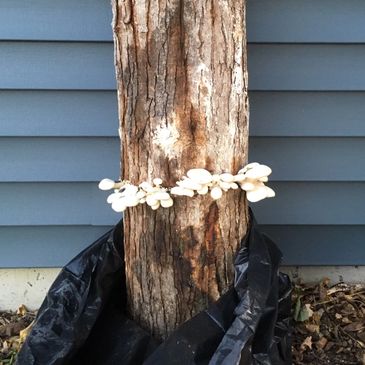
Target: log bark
<point x="182" y="94"/>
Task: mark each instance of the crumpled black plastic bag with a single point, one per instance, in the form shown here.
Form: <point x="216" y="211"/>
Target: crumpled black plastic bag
<point x="83" y="320"/>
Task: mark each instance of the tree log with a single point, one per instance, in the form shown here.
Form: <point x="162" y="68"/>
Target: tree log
<point x="182" y="94"/>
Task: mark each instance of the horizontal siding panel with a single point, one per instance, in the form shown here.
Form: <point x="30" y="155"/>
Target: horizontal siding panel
<point x="306" y="67"/>
<point x="90" y="159"/>
<point x="319" y="245"/>
<point x="313" y="203"/>
<point x="46" y="65"/>
<point x="308" y="159"/>
<point x="58" y="159"/>
<point x="83" y="204"/>
<point x="26" y="204"/>
<point x="45" y="246"/>
<point x="308" y="21"/>
<point x="57" y="65"/>
<point x="87" y="20"/>
<point x="58" y="113"/>
<point x="54" y="246"/>
<point x="94" y="113"/>
<point x="307" y="114"/>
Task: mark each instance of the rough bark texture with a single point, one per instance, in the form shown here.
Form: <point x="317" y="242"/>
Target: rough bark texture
<point x="182" y="92"/>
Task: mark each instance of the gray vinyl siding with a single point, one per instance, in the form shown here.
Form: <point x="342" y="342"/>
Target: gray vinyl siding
<point x="58" y="127"/>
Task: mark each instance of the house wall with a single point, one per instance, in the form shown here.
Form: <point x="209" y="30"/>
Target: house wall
<point x="58" y="127"/>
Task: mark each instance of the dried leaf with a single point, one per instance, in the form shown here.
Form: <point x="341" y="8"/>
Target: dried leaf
<point x="345" y="320"/>
<point x="329" y="346"/>
<point x="354" y="327"/>
<point x="22" y="310"/>
<point x="304" y="313"/>
<point x="321" y="343"/>
<point x="313" y="328"/>
<point x="361" y="336"/>
<point x="297" y="307"/>
<point x="24" y="333"/>
<point x="307" y="343"/>
<point x="317" y="315"/>
<point x="323" y="289"/>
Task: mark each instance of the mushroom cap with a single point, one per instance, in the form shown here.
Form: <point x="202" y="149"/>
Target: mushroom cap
<point x="167" y="203"/>
<point x="257" y="194"/>
<point x="216" y="193"/>
<point x="131" y="201"/>
<point x="179" y="190"/>
<point x="258" y="172"/>
<point x="233" y="185"/>
<point x="270" y="193"/>
<point x="157" y="181"/>
<point x="112" y="197"/>
<point x="161" y="195"/>
<point x="227" y="177"/>
<point x="189" y="184"/>
<point x="151" y="200"/>
<point x="248" y="185"/>
<point x="201" y="176"/>
<point x="225" y="185"/>
<point x="203" y="190"/>
<point x="130" y="190"/>
<point x="248" y="166"/>
<point x="156" y="206"/>
<point x="239" y="177"/>
<point x="119" y="205"/>
<point x="140" y="194"/>
<point x="106" y="184"/>
<point x="146" y="186"/>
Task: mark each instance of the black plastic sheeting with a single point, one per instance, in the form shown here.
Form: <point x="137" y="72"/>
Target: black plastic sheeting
<point x="83" y="319"/>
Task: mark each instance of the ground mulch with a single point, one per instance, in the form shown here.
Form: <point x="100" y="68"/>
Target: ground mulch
<point x="14" y="327"/>
<point x="328" y="325"/>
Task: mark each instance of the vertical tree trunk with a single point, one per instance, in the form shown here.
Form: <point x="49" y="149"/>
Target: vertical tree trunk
<point x="182" y="93"/>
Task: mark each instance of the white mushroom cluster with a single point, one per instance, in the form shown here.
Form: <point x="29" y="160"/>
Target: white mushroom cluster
<point x="251" y="178"/>
<point x="202" y="181"/>
<point x="127" y="195"/>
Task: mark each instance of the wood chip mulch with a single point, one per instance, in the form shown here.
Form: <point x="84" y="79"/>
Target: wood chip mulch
<point x="328" y="321"/>
<point x="14" y="327"/>
<point x="329" y="324"/>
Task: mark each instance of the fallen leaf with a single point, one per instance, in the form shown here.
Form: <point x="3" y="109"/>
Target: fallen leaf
<point x="354" y="327"/>
<point x="22" y="310"/>
<point x="318" y="315"/>
<point x="321" y="343"/>
<point x="345" y="320"/>
<point x="361" y="336"/>
<point x="24" y="333"/>
<point x="329" y="345"/>
<point x="313" y="328"/>
<point x="307" y="343"/>
<point x="298" y="305"/>
<point x="304" y="313"/>
<point x="323" y="289"/>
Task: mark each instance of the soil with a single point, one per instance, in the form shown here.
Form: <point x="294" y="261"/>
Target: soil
<point x="328" y="325"/>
